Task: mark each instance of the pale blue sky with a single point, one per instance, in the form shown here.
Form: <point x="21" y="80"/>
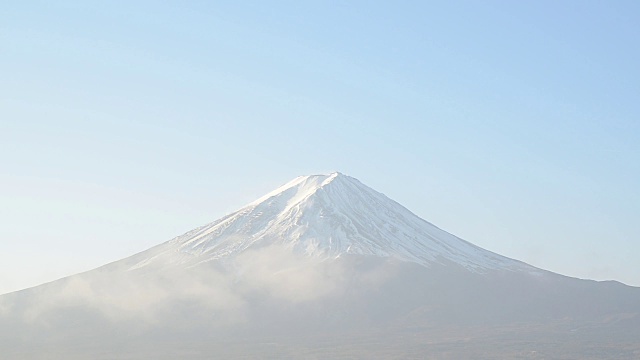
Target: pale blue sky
<point x="514" y="125"/>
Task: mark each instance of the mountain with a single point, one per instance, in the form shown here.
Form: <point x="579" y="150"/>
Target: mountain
<point x="321" y="267"/>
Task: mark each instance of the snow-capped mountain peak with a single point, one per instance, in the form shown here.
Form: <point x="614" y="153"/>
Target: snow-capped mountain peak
<point x="327" y="216"/>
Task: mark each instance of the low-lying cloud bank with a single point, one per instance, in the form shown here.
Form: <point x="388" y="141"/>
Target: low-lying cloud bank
<point x="151" y="295"/>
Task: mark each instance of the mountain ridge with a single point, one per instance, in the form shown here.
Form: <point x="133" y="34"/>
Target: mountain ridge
<point x="285" y="277"/>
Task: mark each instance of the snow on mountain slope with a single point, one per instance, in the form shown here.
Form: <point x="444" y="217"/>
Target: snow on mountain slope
<point x="326" y="216"/>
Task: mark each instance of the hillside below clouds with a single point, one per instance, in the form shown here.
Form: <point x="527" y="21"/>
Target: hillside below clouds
<point x="321" y="267"/>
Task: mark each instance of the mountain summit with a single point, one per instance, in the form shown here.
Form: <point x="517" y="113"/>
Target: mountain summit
<point x="327" y="216"/>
